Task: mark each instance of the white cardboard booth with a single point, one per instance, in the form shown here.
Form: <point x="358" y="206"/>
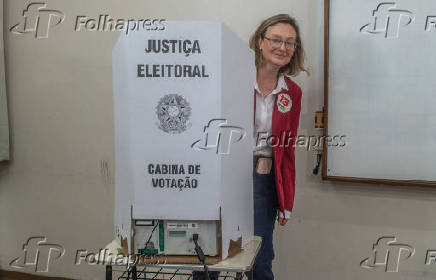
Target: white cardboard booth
<point x="183" y="107"/>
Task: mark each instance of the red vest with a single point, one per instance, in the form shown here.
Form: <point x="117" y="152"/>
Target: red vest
<point x="285" y="119"/>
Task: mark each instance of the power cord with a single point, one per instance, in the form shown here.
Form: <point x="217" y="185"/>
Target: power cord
<point x="132" y="269"/>
<point x="200" y="255"/>
<point x="318" y="163"/>
<point x="151" y="234"/>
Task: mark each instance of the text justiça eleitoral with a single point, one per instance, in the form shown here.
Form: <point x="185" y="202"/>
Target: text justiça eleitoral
<point x="166" y="46"/>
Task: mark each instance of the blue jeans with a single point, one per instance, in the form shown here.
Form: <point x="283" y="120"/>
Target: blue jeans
<point x="265" y="214"/>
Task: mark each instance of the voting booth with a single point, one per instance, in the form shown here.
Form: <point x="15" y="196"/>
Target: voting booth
<point x="183" y="109"/>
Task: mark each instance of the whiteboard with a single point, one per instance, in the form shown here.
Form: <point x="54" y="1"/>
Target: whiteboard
<point x="381" y="89"/>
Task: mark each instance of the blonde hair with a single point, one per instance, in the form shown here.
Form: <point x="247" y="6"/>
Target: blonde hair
<point x="296" y="65"/>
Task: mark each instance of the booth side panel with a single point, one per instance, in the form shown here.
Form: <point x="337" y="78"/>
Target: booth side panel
<point x="123" y="179"/>
<point x="237" y="106"/>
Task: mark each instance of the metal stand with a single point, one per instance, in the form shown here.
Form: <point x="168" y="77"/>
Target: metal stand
<point x="167" y="274"/>
<point x="238" y="267"/>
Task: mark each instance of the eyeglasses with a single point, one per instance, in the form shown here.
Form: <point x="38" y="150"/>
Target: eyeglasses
<point x="277" y="43"/>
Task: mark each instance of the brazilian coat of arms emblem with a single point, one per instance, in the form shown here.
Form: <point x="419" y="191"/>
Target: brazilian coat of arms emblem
<point x="173" y="112"/>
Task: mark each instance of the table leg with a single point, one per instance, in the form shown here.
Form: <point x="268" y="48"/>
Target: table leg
<point x="249" y="274"/>
<point x="134" y="274"/>
<point x="108" y="272"/>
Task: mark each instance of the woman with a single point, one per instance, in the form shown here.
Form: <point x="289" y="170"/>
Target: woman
<point x="278" y="53"/>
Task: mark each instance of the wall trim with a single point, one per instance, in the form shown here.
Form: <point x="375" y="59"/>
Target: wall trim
<point x="15" y="275"/>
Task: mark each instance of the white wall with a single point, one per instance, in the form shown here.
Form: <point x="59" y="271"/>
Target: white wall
<point x="60" y="180"/>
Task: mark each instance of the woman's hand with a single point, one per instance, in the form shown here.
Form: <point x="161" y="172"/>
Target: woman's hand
<point x="282" y="221"/>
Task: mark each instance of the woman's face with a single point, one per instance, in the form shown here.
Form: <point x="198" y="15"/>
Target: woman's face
<point x="272" y="51"/>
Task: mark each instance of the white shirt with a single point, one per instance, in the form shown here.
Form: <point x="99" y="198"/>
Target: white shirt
<point x="263" y="122"/>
